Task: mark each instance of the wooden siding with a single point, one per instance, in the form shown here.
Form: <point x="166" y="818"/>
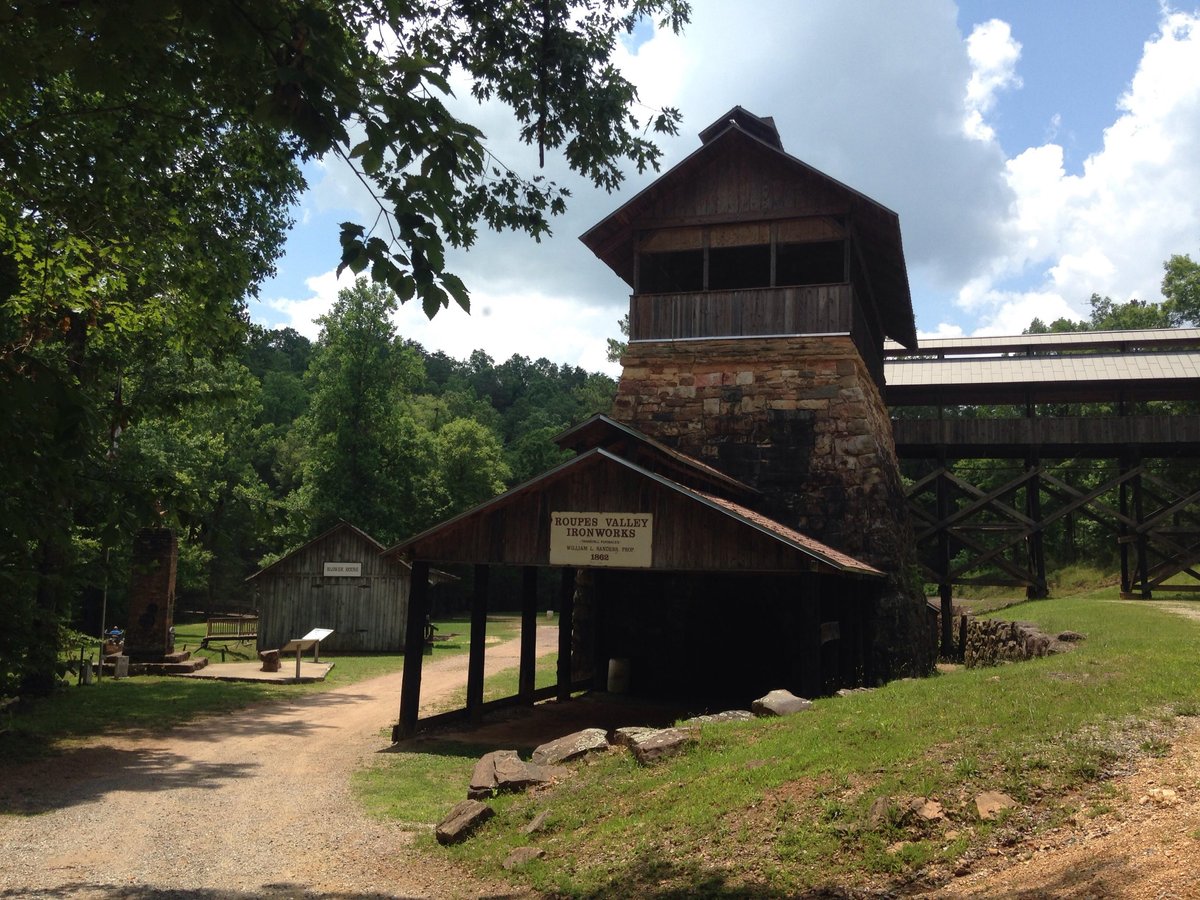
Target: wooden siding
<point x="820" y="309"/>
<point x="367" y="613"/>
<point x="823" y="309"/>
<point x="1077" y="436"/>
<point x="689" y="535"/>
<point x="755" y="183"/>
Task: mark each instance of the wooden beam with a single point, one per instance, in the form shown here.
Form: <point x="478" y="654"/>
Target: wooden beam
<point x="810" y="636"/>
<point x="1037" y="555"/>
<point x="566" y="618"/>
<point x="414" y="649"/>
<point x="476" y="655"/>
<point x="528" y="665"/>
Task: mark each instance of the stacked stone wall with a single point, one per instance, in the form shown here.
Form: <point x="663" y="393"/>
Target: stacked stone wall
<point x="801" y="420"/>
<point x="991" y="642"/>
<point x="798" y="418"/>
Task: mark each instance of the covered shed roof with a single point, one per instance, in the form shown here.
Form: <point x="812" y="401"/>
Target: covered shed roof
<point x="692" y="531"/>
<point x="375" y="547"/>
<point x="1158" y="375"/>
<point x="629" y="443"/>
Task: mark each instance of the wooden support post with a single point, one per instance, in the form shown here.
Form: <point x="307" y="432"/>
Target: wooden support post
<point x="870" y="607"/>
<point x="848" y="639"/>
<point x="862" y="648"/>
<point x="476" y="656"/>
<point x="810" y="636"/>
<point x="414" y="647"/>
<point x="1037" y="549"/>
<point x="945" y="588"/>
<point x="528" y="665"/>
<point x="566" y="618"/>
<point x="946" y="609"/>
<point x="599" y="661"/>
<point x="1143" y="555"/>
<point x="1123" y="529"/>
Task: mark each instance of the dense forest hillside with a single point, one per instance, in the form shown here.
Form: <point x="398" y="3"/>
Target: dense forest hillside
<point x="251" y="450"/>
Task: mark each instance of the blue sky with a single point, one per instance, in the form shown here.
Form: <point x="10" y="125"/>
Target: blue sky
<point x="1036" y="152"/>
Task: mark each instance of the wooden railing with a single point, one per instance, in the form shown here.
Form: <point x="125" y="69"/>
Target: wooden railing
<point x="812" y="310"/>
<point x="820" y="309"/>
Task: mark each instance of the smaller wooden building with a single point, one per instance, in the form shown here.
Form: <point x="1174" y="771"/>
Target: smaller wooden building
<point x="338" y="580"/>
<point x="661" y="567"/>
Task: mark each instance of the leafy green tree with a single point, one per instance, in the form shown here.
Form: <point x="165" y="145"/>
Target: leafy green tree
<point x="369" y="463"/>
<point x="363" y="80"/>
<point x="470" y="464"/>
<point x="149" y="151"/>
<point x="1181" y="288"/>
<point x="616" y="348"/>
<point x="1109" y="315"/>
<point x="191" y="454"/>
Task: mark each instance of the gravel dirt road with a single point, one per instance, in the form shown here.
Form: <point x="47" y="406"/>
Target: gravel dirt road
<point x="252" y="804"/>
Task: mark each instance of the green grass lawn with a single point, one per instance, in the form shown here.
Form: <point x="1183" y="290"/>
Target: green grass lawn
<point x="157" y="703"/>
<point x="782" y="806"/>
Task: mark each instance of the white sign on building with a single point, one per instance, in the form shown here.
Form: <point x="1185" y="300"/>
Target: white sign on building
<point x="618" y="540"/>
<point x="343" y="569"/>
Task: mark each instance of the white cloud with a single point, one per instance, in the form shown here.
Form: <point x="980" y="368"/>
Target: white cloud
<point x="993" y="54"/>
<point x="991" y="241"/>
<point x="1107" y="230"/>
<point x="1013" y="312"/>
<point x="302" y="314"/>
<point x="943" y="330"/>
<point x="525" y="323"/>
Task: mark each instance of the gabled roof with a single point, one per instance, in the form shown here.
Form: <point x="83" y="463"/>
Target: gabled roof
<point x="876" y="227"/>
<point x="603" y="431"/>
<point x="435" y="576"/>
<point x="340" y="526"/>
<point x="762" y="127"/>
<point x="432" y="543"/>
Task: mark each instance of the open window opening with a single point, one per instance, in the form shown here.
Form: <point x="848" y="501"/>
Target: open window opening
<point x="822" y="262"/>
<point x="675" y="271"/>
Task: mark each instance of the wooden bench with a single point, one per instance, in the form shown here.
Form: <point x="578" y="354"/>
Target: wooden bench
<point x="230" y="628"/>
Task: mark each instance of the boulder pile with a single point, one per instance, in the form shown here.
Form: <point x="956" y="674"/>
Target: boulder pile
<point x="503" y="771"/>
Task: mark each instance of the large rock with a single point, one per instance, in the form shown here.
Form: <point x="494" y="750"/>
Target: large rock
<point x="521" y="856"/>
<point x="990" y="804"/>
<point x="662" y="742"/>
<point x="927" y="810"/>
<point x="570" y="747"/>
<point x="538" y="823"/>
<point x="504" y="771"/>
<point x="628" y="735"/>
<point x="461" y="821"/>
<point x="780" y="703"/>
<point x="730" y="715"/>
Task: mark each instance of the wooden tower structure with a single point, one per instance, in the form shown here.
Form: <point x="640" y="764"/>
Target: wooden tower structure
<point x="762" y="293"/>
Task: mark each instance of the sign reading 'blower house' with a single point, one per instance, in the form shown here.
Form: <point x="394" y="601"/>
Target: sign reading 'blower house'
<point x="621" y="540"/>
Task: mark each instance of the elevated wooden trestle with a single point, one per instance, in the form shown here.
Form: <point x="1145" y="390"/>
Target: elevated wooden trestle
<point x="1003" y="399"/>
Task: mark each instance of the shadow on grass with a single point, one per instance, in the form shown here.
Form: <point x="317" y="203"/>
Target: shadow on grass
<point x="652" y="875"/>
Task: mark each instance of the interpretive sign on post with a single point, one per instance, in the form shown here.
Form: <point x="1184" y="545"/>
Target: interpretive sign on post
<point x="618" y="540"/>
<point x="343" y="569"/>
